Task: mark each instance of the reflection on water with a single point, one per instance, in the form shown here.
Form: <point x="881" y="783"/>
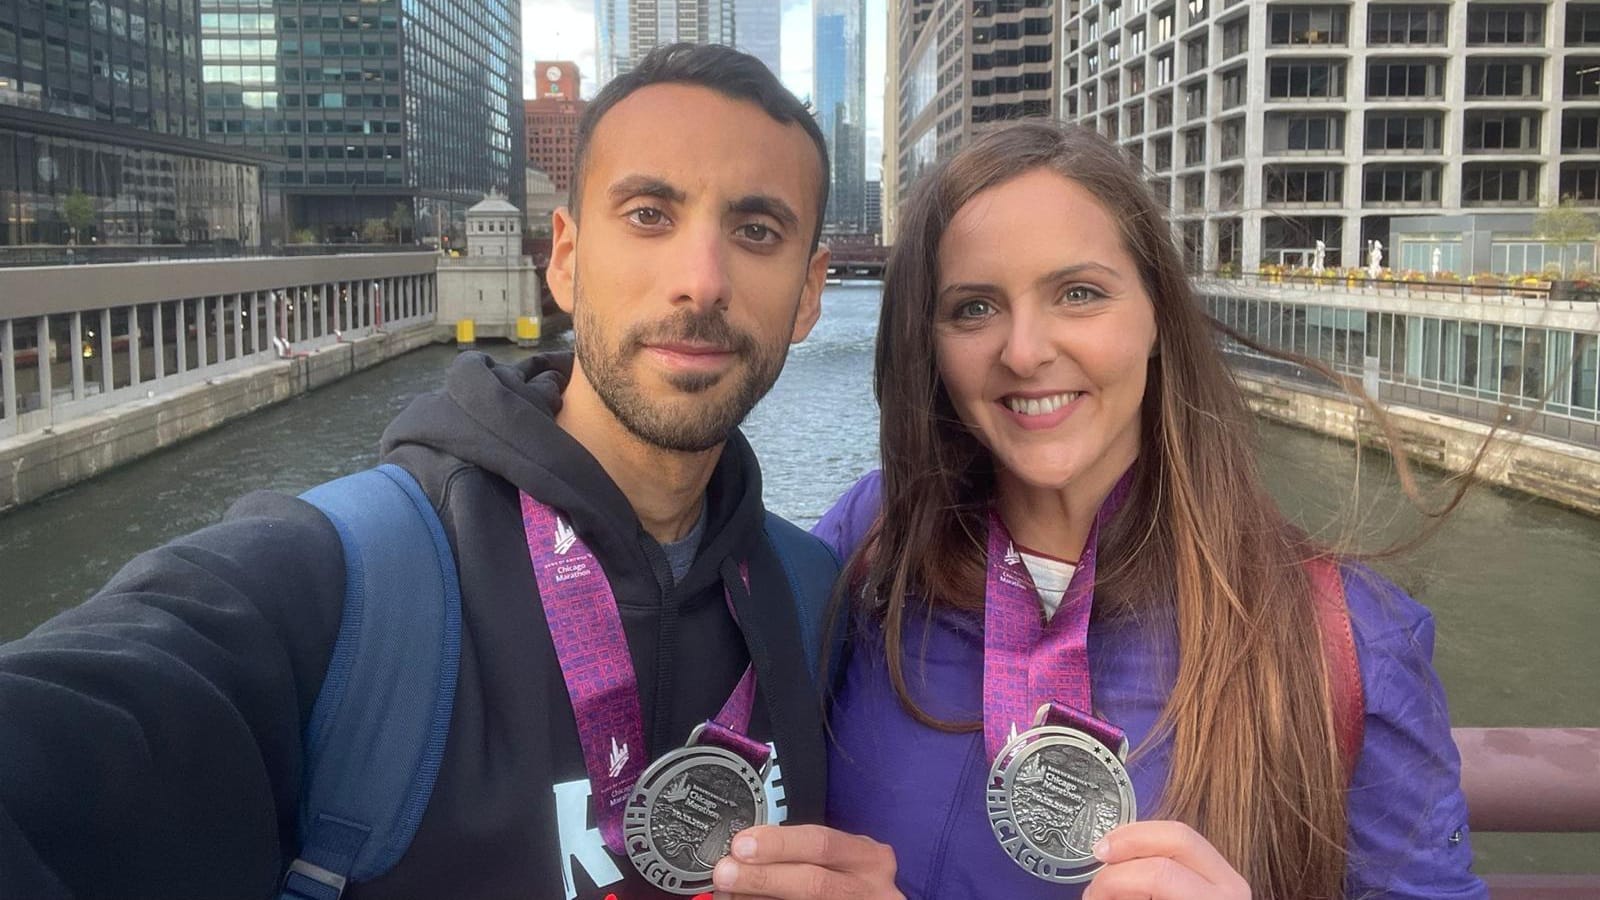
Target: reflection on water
<point x="1511" y="580"/>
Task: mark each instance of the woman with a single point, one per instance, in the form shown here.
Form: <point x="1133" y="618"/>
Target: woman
<point x="1054" y="406"/>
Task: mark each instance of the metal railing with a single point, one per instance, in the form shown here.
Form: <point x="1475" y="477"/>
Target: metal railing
<point x="158" y="327"/>
<point x="109" y="254"/>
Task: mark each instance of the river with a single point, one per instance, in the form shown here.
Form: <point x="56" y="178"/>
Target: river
<point x="1511" y="580"/>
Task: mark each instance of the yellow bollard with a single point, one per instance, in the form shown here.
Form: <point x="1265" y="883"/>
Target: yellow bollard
<point x="527" y="331"/>
<point x="466" y="334"/>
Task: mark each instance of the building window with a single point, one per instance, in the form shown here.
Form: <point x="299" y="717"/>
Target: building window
<point x="1493" y="184"/>
<point x="1491" y="26"/>
<point x="1309" y="80"/>
<point x="1194" y="193"/>
<point x="1304" y="26"/>
<point x="1195" y="51"/>
<point x="1581" y="79"/>
<point x="1164" y="69"/>
<point x="1164" y="28"/>
<point x="1400" y="185"/>
<point x="1233" y="88"/>
<point x="1501" y="131"/>
<point x="1510" y="79"/>
<point x="1404" y="133"/>
<point x="1580" y="130"/>
<point x="1164" y="111"/>
<point x="1583" y="25"/>
<point x="1136" y="120"/>
<point x="1194" y="101"/>
<point x="1581" y="182"/>
<point x="1230" y="188"/>
<point x="1163" y="153"/>
<point x="1235" y="37"/>
<point x="1305" y="133"/>
<point x="1194" y="147"/>
<point x="1304" y="185"/>
<point x="1135" y="78"/>
<point x="1405" y="25"/>
<point x="1230" y="139"/>
<point x="1404" y="80"/>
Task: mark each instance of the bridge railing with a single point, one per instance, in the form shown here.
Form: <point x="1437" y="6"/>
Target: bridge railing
<point x="1533" y="780"/>
<point x="77" y="340"/>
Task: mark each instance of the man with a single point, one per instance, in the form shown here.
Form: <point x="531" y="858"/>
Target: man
<point x="151" y="740"/>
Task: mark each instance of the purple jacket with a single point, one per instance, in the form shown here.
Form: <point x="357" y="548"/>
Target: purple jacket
<point x="922" y="791"/>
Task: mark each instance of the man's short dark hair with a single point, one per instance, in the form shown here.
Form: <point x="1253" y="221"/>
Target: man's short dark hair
<point x="723" y="69"/>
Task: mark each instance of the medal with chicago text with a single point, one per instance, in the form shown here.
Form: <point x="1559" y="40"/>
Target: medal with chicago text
<point x="1056" y="788"/>
<point x="676" y="817"/>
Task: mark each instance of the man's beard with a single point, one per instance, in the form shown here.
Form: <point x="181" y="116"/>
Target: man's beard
<point x="692" y="421"/>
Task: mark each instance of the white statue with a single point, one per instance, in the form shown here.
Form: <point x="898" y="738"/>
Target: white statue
<point x="1375" y="259"/>
<point x="1433" y="267"/>
<point x="1318" y="258"/>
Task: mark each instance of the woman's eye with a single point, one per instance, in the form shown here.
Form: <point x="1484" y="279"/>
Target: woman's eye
<point x="1081" y="293"/>
<point x="973" y="309"/>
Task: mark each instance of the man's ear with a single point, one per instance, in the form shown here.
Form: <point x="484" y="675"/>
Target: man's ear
<point x="563" y="257"/>
<point x="811" y="295"/>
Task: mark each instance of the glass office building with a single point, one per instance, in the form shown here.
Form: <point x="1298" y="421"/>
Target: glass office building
<point x="372" y="105"/>
<point x="841" y="109"/>
<point x="100" y="130"/>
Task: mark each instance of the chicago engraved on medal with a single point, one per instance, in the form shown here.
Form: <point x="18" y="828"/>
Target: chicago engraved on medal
<point x="684" y="813"/>
<point x="1053" y="792"/>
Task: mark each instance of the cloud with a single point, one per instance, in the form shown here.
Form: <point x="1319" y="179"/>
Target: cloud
<point x="558" y="30"/>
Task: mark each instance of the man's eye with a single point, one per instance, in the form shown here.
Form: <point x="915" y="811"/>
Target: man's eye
<point x="761" y="234"/>
<point x="647" y="216"/>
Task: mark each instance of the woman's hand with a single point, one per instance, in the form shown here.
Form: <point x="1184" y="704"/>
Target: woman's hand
<point x="805" y="862"/>
<point x="1162" y="861"/>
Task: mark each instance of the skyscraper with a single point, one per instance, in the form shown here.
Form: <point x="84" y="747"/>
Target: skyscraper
<point x="839" y="95"/>
<point x="757" y="27"/>
<point x="373" y="106"/>
<point x="626" y="30"/>
<point x="102" y="100"/>
<point x="960" y="66"/>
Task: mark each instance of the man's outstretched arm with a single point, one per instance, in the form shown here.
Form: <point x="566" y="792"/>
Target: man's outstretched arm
<point x="150" y="738"/>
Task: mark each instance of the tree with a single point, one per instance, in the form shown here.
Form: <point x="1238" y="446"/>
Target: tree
<point x="401" y="220"/>
<point x="374" y="231"/>
<point x="1567" y="226"/>
<point x="78" y="209"/>
<point x="303" y="236"/>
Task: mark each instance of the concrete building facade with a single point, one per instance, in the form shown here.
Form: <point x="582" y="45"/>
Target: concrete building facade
<point x="1271" y="126"/>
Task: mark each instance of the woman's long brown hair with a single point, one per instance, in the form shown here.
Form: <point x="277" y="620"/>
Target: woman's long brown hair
<point x="1255" y="766"/>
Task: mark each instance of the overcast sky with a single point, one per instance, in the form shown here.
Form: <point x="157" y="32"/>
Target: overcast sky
<point x="564" y="30"/>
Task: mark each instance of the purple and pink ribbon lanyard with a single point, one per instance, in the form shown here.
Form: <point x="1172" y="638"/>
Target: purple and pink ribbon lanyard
<point x="1028" y="662"/>
<point x="592" y="649"/>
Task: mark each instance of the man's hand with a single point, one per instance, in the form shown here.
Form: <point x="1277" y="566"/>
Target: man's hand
<point x="805" y="862"/>
<point x="1162" y="861"/>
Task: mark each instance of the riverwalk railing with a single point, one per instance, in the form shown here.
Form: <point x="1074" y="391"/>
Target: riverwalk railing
<point x="1521" y="358"/>
<point x="75" y="340"/>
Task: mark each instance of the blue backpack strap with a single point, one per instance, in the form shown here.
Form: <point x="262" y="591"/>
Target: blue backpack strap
<point x="812" y="569"/>
<point x="377" y="731"/>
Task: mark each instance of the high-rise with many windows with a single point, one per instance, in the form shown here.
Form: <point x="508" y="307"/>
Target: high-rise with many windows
<point x="1271" y="126"/>
<point x="757" y="30"/>
<point x="626" y="30"/>
<point x="100" y="101"/>
<point x="958" y="67"/>
<point x="839" y="98"/>
<point x="381" y="110"/>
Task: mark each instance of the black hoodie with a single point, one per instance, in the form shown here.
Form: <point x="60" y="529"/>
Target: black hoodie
<point x="150" y="739"/>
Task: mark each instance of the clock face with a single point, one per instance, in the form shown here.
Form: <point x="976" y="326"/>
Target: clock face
<point x="553" y="73"/>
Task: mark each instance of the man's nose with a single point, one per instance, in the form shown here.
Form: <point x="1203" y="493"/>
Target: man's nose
<point x="699" y="268"/>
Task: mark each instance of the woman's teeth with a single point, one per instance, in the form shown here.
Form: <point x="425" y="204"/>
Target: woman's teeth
<point x="1040" y="406"/>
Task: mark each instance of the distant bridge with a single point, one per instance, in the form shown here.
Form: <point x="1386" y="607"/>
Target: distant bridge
<point x="856" y="259"/>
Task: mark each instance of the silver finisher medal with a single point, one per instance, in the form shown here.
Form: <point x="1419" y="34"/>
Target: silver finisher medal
<point x="685" y="810"/>
<point x="1053" y="792"/>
